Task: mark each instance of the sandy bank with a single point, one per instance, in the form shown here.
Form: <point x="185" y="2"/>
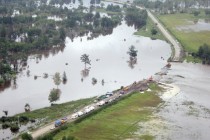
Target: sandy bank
<point x="171" y="91"/>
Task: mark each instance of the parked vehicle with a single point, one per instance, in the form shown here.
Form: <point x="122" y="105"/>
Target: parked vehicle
<point x="91" y="108"/>
<point x="60" y="122"/>
<point x="80" y="113"/>
<point x="100" y="103"/>
<point x="109" y="93"/>
<point x="74" y="116"/>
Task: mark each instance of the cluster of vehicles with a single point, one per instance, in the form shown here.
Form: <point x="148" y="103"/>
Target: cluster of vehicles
<point x="86" y="110"/>
<point x="101" y="100"/>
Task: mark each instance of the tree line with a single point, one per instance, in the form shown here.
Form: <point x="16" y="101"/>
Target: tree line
<point x="203" y="53"/>
<point x="171" y="6"/>
<point x="135" y="16"/>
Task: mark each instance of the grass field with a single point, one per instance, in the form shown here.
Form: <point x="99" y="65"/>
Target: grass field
<point x="190" y="40"/>
<point x="57" y="111"/>
<point x="118" y="121"/>
<point x="146" y="31"/>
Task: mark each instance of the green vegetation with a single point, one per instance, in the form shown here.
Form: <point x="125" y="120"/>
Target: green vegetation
<point x="147" y="137"/>
<point x="54" y="95"/>
<point x="118" y="121"/>
<point x="191" y="41"/>
<point x="41" y="27"/>
<point x="135" y="16"/>
<point x="173" y="6"/>
<point x="26" y="136"/>
<point x="203" y="53"/>
<point x="57" y="110"/>
<point x="146" y="31"/>
<point x="193" y="59"/>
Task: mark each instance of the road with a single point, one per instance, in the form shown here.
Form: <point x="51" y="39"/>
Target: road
<point x="176" y="55"/>
<point x="139" y="86"/>
<point x="176" y="45"/>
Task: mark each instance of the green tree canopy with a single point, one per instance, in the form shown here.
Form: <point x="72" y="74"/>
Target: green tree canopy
<point x="54" y="95"/>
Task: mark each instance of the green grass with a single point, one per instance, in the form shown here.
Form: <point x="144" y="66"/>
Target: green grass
<point x="189" y="40"/>
<point x="57" y="111"/>
<point x="190" y="58"/>
<point x="118" y="121"/>
<point x="146" y="137"/>
<point x="146" y="31"/>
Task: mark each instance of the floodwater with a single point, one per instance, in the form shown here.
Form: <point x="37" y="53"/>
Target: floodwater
<point x="186" y="116"/>
<point x="108" y="55"/>
<point x="195" y="26"/>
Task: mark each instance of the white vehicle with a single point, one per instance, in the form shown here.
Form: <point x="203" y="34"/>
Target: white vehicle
<point x="91" y="108"/>
<point x="110" y="100"/>
<point x="80" y="113"/>
<point x="100" y="103"/>
<point x="74" y="116"/>
<point x="87" y="110"/>
<point x="52" y="128"/>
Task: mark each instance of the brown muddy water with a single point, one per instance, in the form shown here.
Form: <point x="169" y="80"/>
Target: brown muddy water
<point x="109" y="58"/>
<point x="186" y="116"/>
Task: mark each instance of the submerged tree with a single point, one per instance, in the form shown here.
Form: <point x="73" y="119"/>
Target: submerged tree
<point x="64" y="77"/>
<point x="85" y="59"/>
<point x="133" y="54"/>
<point x="57" y="79"/>
<point x="54" y="95"/>
<point x="27" y="107"/>
<point x="5" y="112"/>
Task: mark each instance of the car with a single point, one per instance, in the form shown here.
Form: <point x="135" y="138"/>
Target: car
<point x="110" y="100"/>
<point x="91" y="108"/>
<point x="109" y="93"/>
<point x="74" y="116"/>
<point x="100" y="103"/>
<point x="52" y="128"/>
<point x="87" y="110"/>
<point x="80" y="113"/>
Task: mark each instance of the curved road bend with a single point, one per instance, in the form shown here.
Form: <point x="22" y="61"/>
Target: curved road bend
<point x="176" y="56"/>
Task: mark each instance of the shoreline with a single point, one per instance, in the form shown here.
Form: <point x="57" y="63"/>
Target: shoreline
<point x="171" y="91"/>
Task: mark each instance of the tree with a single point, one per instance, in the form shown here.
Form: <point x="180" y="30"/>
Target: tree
<point x="54" y="95"/>
<point x="3" y="32"/>
<point x="64" y="77"/>
<point x="133" y="60"/>
<point x="62" y="34"/>
<point x="5" y="112"/>
<point x="154" y="31"/>
<point x="27" y="107"/>
<point x="196" y="13"/>
<point x="57" y="79"/>
<point x="85" y="59"/>
<point x="132" y="52"/>
<point x="26" y="136"/>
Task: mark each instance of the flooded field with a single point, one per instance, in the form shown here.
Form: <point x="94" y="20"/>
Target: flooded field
<point x="195" y="26"/>
<point x="109" y="62"/>
<point x="186" y="115"/>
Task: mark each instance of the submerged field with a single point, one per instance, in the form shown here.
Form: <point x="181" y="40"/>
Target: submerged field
<point x="119" y="121"/>
<point x="185" y="27"/>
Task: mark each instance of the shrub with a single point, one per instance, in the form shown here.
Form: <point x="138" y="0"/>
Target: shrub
<point x="26" y="136"/>
<point x="14" y="128"/>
